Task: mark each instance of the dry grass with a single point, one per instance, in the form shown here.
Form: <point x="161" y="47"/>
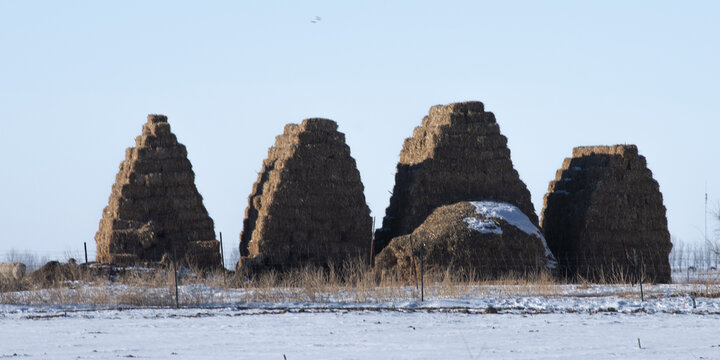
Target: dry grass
<point x="352" y="282"/>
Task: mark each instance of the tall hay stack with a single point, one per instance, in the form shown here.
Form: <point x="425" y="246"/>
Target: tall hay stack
<point x="155" y="207"/>
<point x="603" y="209"/>
<point x="458" y="154"/>
<point x="307" y="206"/>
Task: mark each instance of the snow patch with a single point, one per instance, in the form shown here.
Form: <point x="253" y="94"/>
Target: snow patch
<point x="592" y="328"/>
<point x="508" y="212"/>
<point x="513" y="216"/>
<point x="485" y="226"/>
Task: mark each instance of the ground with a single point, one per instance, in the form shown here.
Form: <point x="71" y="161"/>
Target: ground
<point x="238" y="334"/>
<point x="530" y="321"/>
<point x="523" y="328"/>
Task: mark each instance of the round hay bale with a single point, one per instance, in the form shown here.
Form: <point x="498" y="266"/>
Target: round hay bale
<point x="486" y="239"/>
<point x="53" y="272"/>
<point x="12" y="271"/>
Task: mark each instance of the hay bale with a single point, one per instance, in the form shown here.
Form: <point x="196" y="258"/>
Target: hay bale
<point x="123" y="259"/>
<point x="602" y="208"/>
<point x="457" y="154"/>
<point x="485" y="238"/>
<point x="307" y="206"/>
<point x="204" y="254"/>
<point x="13" y="271"/>
<point x="154" y="205"/>
<point x="54" y="272"/>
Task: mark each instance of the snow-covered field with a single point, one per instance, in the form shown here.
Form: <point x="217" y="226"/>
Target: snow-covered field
<point x="591" y="322"/>
<point x="228" y="333"/>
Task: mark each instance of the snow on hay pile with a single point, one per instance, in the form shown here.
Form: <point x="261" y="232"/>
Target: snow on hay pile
<point x="485" y="238"/>
<point x="604" y="207"/>
<point x="458" y="154"/>
<point x="307" y="206"/>
<point x="155" y="207"/>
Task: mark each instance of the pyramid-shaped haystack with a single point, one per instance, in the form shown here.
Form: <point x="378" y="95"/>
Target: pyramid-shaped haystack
<point x="458" y="154"/>
<point x="307" y="206"/>
<point x="155" y="207"/>
<point x="604" y="213"/>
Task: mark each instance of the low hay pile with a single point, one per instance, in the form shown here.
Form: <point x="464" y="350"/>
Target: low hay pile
<point x="461" y="238"/>
<point x="307" y="206"/>
<point x="13" y="271"/>
<point x="54" y="272"/>
<point x="155" y="207"/>
<point x="603" y="209"/>
<point x="458" y="154"/>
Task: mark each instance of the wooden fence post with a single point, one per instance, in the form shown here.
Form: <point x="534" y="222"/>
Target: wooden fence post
<point x="222" y="252"/>
<point x="422" y="275"/>
<point x="177" y="299"/>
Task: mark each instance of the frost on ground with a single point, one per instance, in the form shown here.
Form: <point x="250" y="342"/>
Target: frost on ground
<point x="485" y="322"/>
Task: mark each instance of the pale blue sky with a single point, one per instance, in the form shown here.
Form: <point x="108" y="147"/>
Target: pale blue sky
<point x="77" y="80"/>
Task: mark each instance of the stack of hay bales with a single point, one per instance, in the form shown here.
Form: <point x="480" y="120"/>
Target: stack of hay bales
<point x="603" y="209"/>
<point x="458" y="154"/>
<point x="486" y="239"/>
<point x="307" y="206"/>
<point x="155" y="207"/>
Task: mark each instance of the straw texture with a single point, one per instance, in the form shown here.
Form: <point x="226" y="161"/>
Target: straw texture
<point x="602" y="210"/>
<point x="155" y="207"/>
<point x="451" y="245"/>
<point x="457" y="154"/>
<point x="307" y="206"/>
